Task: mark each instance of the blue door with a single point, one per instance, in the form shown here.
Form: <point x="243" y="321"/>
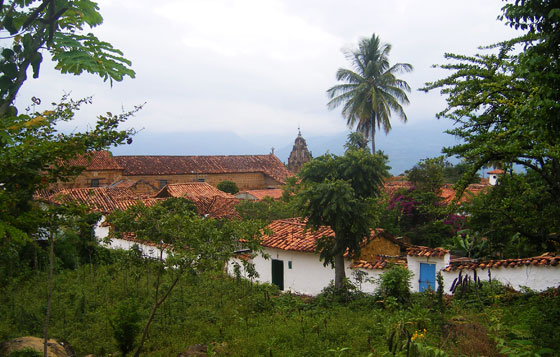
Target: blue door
<point x="427" y="276"/>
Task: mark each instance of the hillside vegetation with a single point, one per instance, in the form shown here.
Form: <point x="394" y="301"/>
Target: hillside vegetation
<point x="96" y="305"/>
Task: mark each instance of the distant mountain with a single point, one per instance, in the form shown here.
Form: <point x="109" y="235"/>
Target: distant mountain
<point x="405" y="144"/>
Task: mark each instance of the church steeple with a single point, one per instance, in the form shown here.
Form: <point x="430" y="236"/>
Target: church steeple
<point x="299" y="155"/>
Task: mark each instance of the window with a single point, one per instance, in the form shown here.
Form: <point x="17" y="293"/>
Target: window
<point x="162" y="183"/>
<point x="200" y="180"/>
<point x="94" y="183"/>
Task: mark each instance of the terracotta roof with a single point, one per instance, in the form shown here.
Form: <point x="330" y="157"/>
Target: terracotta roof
<point x="100" y="199"/>
<point x="180" y="165"/>
<point x="447" y="192"/>
<point x="275" y="193"/>
<point x="420" y="251"/>
<point x="547" y="259"/>
<point x="217" y="206"/>
<point x="191" y="190"/>
<point x="472" y="190"/>
<point x="290" y="234"/>
<point x="390" y="187"/>
<point x="362" y="264"/>
<point x="96" y="160"/>
<point x="497" y="171"/>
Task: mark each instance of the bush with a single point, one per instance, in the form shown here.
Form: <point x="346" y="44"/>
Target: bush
<point x="395" y="283"/>
<point x="126" y="325"/>
<point x="228" y="186"/>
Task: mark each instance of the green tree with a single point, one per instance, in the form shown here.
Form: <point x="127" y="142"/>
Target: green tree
<point x="192" y="244"/>
<point x="57" y="26"/>
<point x="504" y="103"/>
<point x="341" y="192"/>
<point x="228" y="187"/>
<point x="371" y="91"/>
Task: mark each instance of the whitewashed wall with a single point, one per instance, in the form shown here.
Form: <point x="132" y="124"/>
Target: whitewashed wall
<point x="307" y="275"/>
<point x="148" y="251"/>
<point x="534" y="277"/>
<point x="414" y="266"/>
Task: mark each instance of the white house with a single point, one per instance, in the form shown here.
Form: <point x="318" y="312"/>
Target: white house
<point x="289" y="260"/>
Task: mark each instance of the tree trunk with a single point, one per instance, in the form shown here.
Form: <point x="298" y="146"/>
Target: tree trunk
<point x="373" y="137"/>
<point x="49" y="296"/>
<point x="339" y="271"/>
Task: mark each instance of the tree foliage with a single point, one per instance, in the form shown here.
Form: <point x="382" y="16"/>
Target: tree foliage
<point x="505" y="102"/>
<point x="192" y="244"/>
<point x="57" y="26"/>
<point x="340" y="192"/>
<point x="228" y="187"/>
<point x="370" y="91"/>
<point x="33" y="152"/>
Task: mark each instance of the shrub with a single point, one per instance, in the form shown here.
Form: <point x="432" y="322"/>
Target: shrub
<point x="228" y="186"/>
<point x="126" y="325"/>
<point x="395" y="283"/>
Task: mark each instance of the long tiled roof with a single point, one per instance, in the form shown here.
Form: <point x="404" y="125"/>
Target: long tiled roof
<point x="100" y="199"/>
<point x="547" y="259"/>
<point x="180" y="165"/>
<point x="96" y="160"/>
<point x="191" y="190"/>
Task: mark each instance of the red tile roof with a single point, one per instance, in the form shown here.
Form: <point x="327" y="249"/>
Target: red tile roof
<point x="362" y="264"/>
<point x="497" y="171"/>
<point x="180" y="165"/>
<point x="96" y="160"/>
<point x="100" y="199"/>
<point x="290" y="234"/>
<point x="547" y="259"/>
<point x="191" y="190"/>
<point x="275" y="193"/>
<point x="217" y="206"/>
<point x="448" y="194"/>
<point x="420" y="251"/>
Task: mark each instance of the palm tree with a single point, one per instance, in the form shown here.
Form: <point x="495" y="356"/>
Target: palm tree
<point x="371" y="91"/>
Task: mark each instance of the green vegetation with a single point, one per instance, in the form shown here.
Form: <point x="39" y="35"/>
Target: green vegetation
<point x="370" y="90"/>
<point x="505" y="107"/>
<point x="228" y="187"/>
<point x="340" y="192"/>
<point x="240" y="318"/>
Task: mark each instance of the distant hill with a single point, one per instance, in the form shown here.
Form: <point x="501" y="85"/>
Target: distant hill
<point x="405" y="144"/>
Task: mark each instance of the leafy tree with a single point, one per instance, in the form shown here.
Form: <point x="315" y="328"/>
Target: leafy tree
<point x="427" y="175"/>
<point x="32" y="152"/>
<point x="371" y="91"/>
<point x="193" y="244"/>
<point x="505" y="103"/>
<point x="356" y="140"/>
<point x="341" y="192"/>
<point x="519" y="217"/>
<point x="228" y="187"/>
<point x="266" y="210"/>
<point x="57" y="26"/>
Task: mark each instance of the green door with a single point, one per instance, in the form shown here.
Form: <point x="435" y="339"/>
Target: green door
<point x="278" y="273"/>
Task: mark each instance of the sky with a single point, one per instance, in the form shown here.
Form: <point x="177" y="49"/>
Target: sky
<point x="260" y="68"/>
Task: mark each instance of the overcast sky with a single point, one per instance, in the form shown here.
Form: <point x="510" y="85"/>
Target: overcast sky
<point x="260" y="68"/>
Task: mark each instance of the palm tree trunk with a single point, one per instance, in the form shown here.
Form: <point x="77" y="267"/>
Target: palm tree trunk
<point x="373" y="137"/>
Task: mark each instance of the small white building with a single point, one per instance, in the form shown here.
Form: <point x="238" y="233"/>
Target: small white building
<point x="289" y="261"/>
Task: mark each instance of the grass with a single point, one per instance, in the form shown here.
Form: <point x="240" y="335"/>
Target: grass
<point x="238" y="318"/>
